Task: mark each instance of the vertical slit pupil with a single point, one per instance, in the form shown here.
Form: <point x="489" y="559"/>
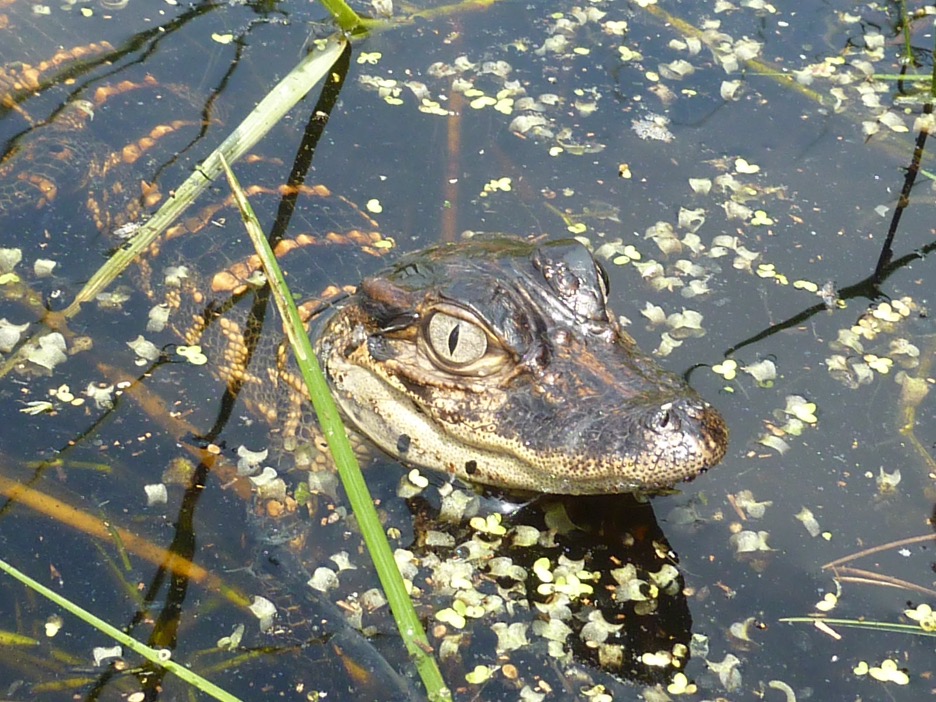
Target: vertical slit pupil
<point x="453" y="339"/>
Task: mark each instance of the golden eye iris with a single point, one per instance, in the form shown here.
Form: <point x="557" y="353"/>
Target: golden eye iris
<point x="455" y="340"/>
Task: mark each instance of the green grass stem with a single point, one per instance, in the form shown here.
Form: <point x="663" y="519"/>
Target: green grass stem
<point x="346" y="18"/>
<point x="151" y="654"/>
<point x="411" y="631"/>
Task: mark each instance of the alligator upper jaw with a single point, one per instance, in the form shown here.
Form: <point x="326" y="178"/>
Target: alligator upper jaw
<point x="603" y="417"/>
<point x="596" y="446"/>
<point x="529" y="445"/>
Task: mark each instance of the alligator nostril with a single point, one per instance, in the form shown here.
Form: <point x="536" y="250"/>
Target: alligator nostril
<point x="663" y="420"/>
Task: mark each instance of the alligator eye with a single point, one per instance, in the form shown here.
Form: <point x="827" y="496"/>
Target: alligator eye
<point x="455" y="340"/>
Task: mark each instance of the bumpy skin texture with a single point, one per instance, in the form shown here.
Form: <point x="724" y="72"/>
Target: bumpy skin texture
<point x="498" y="361"/>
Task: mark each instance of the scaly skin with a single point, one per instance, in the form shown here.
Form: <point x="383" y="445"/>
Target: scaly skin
<point x="497" y="361"/>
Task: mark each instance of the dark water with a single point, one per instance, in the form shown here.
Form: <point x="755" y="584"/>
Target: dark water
<point x="828" y="192"/>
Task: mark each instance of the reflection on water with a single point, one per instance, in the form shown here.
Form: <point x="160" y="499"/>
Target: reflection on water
<point x="722" y="202"/>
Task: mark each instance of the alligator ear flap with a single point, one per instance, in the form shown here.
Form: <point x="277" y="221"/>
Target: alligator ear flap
<point x="400" y="322"/>
<point x="382" y="290"/>
<point x="392" y="307"/>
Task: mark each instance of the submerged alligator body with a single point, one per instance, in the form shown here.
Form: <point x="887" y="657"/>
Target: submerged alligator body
<point x="498" y="361"/>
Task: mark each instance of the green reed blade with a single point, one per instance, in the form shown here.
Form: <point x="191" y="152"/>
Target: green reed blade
<point x="153" y="655"/>
<point x="344" y="16"/>
<point x="346" y="462"/>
